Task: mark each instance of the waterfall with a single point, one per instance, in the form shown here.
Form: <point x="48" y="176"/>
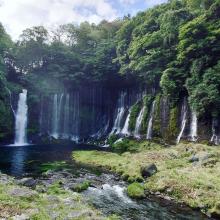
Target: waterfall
<point x="183" y="120"/>
<point x="41" y="117"/>
<point x="120" y="113"/>
<point x="55" y="117"/>
<point x="150" y="122"/>
<point x="21" y="120"/>
<point x="125" y="129"/>
<point x="75" y="118"/>
<point x="193" y="127"/>
<point x="57" y="114"/>
<point x="215" y="137"/>
<point x="138" y="122"/>
<point x="66" y="132"/>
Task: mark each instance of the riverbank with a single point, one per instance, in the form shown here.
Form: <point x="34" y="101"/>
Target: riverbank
<point x="44" y="199"/>
<point x="187" y="173"/>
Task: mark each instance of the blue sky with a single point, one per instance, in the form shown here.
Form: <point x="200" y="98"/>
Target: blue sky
<point x="17" y="15"/>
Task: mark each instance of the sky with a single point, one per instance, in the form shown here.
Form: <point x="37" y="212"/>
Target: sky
<point x="17" y="15"/>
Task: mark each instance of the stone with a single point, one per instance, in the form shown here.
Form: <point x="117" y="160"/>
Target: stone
<point x="20" y="217"/>
<point x="193" y="159"/>
<point x="201" y="157"/>
<point x="22" y="192"/>
<point x="149" y="170"/>
<point x="28" y="181"/>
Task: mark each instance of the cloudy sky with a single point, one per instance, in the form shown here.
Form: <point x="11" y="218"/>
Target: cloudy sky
<point x="16" y="15"/>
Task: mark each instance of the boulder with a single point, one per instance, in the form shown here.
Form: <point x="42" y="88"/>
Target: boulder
<point x="149" y="170"/>
<point x="22" y="192"/>
<point x="29" y="182"/>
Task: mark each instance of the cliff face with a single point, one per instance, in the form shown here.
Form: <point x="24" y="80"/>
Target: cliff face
<point x="95" y="112"/>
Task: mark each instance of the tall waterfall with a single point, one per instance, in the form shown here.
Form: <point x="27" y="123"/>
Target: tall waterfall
<point x="183" y="120"/>
<point x="138" y="122"/>
<point x="150" y="122"/>
<point x="21" y="120"/>
<point x="55" y="117"/>
<point x="193" y="127"/>
<point x="66" y="128"/>
<point x="120" y="113"/>
<point x="75" y="118"/>
<point x="125" y="129"/>
<point x="215" y="137"/>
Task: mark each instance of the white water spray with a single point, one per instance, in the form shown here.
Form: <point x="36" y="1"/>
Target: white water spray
<point x="120" y="113"/>
<point x="215" y="137"/>
<point x="125" y="129"/>
<point x="138" y="123"/>
<point x="150" y="122"/>
<point x="183" y="120"/>
<point x="193" y="127"/>
<point x="21" y="120"/>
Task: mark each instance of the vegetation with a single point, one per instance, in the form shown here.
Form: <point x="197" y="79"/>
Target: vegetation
<point x="21" y="201"/>
<point x="186" y="172"/>
<point x="171" y="49"/>
<point x="135" y="190"/>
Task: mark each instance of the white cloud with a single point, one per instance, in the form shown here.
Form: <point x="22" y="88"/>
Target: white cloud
<point x="128" y="2"/>
<point x="151" y="3"/>
<point x="16" y="15"/>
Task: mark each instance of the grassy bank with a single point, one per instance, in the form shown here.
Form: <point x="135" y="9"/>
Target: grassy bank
<point x="189" y="173"/>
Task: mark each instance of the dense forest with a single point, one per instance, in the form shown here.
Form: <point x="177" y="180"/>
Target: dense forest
<point x="171" y="50"/>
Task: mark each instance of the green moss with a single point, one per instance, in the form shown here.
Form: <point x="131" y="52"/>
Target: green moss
<point x="134" y="114"/>
<point x="82" y="186"/>
<point x="157" y="117"/>
<point x="111" y="139"/>
<point x="55" y="189"/>
<point x="172" y="129"/>
<point x="55" y="166"/>
<point x="135" y="190"/>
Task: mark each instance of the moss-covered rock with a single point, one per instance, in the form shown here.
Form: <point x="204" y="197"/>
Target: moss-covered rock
<point x="172" y="129"/>
<point x="136" y="190"/>
<point x="81" y="186"/>
<point x="157" y="118"/>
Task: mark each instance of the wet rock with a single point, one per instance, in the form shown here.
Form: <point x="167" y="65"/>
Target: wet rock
<point x="193" y="159"/>
<point x="5" y="179"/>
<point x="53" y="199"/>
<point x="149" y="170"/>
<point x="201" y="158"/>
<point x="215" y="212"/>
<point x="20" y="217"/>
<point x="78" y="214"/>
<point x="22" y="192"/>
<point x="29" y="182"/>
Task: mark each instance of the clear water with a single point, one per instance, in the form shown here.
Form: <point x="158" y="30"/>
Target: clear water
<point x="110" y="198"/>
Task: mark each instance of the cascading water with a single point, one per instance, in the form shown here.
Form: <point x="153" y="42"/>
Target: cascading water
<point x="120" y="113"/>
<point x="150" y="122"/>
<point x="55" y="117"/>
<point x="21" y="120"/>
<point x="76" y="118"/>
<point x="125" y="129"/>
<point x="138" y="122"/>
<point x="183" y="120"/>
<point x="57" y="114"/>
<point x="193" y="127"/>
<point x="66" y="132"/>
<point x="215" y="137"/>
